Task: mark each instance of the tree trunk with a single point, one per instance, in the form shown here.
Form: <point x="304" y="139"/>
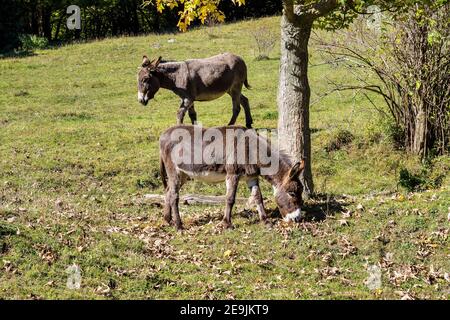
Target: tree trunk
<point x="294" y="94"/>
<point x="419" y="143"/>
<point x="135" y="25"/>
<point x="46" y="13"/>
<point x="58" y="26"/>
<point x="34" y="25"/>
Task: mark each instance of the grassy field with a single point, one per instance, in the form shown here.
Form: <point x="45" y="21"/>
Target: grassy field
<point x="77" y="154"/>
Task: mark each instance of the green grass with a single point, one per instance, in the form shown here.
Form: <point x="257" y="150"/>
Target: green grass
<point x="78" y="153"/>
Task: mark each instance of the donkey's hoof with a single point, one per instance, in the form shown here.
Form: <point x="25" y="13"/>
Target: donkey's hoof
<point x="226" y="225"/>
<point x="179" y="228"/>
<point x="267" y="224"/>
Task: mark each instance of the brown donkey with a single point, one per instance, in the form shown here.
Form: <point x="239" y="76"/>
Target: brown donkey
<point x="197" y="80"/>
<point x="227" y="154"/>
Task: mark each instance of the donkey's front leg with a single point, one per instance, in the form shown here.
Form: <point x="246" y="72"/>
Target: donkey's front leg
<point x="232" y="181"/>
<point x="186" y="103"/>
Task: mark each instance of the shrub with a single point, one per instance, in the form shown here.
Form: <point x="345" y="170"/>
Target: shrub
<point x="30" y="42"/>
<point x="431" y="176"/>
<point x="409" y="181"/>
<point x="406" y="62"/>
<point x="338" y="140"/>
<point x="265" y="40"/>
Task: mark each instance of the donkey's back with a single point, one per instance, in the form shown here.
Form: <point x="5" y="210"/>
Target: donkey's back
<point x="210" y="78"/>
<point x="209" y="154"/>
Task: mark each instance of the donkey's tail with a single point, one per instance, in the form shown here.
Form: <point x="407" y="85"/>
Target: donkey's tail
<point x="163" y="172"/>
<point x="246" y="84"/>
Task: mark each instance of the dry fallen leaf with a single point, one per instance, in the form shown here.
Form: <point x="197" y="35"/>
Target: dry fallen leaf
<point x="407" y="297"/>
<point x="227" y="254"/>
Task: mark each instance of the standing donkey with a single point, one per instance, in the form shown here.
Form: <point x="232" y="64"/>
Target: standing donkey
<point x="197" y="80"/>
<point x="227" y="154"/>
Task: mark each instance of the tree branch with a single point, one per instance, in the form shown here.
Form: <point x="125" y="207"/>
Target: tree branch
<point x="316" y="9"/>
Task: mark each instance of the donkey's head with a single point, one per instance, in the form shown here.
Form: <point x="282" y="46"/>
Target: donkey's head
<point x="288" y="194"/>
<point x="148" y="83"/>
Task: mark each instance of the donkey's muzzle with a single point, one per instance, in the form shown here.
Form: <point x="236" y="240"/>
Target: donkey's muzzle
<point x="143" y="101"/>
<point x="142" y="98"/>
<point x="294" y="216"/>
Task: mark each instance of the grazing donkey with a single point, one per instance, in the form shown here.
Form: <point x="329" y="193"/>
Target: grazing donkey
<point x="227" y="154"/>
<point x="197" y="80"/>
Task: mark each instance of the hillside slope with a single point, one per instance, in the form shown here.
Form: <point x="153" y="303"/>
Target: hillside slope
<point x="78" y="153"/>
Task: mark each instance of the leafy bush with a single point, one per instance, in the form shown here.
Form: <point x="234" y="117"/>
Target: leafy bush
<point x="410" y="181"/>
<point x="431" y="176"/>
<point x="30" y="42"/>
<point x="395" y="134"/>
<point x="338" y="140"/>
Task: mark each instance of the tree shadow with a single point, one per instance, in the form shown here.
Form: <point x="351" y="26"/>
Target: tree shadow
<point x="323" y="205"/>
<point x="17" y="54"/>
<point x="262" y="58"/>
<point x="317" y="208"/>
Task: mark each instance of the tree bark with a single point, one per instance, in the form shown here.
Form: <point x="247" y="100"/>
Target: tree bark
<point x="58" y="26"/>
<point x="294" y="94"/>
<point x="419" y="143"/>
<point x="46" y="12"/>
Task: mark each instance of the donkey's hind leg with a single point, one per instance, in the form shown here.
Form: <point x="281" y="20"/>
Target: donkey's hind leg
<point x="192" y="114"/>
<point x="171" y="212"/>
<point x="232" y="181"/>
<point x="236" y="97"/>
<point x="167" y="208"/>
<point x="185" y="105"/>
<point x="174" y="202"/>
<point x="248" y="115"/>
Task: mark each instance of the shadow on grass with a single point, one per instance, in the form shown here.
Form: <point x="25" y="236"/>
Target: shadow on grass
<point x="265" y="58"/>
<point x="6" y="230"/>
<point x="315" y="209"/>
<point x="318" y="208"/>
<point x="17" y="54"/>
<point x="323" y="205"/>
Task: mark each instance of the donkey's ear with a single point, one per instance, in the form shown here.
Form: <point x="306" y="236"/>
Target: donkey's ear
<point x="296" y="169"/>
<point x="155" y="63"/>
<point x="145" y="61"/>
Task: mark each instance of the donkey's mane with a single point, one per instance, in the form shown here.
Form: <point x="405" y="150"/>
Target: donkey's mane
<point x="167" y="61"/>
<point x="283" y="154"/>
<point x="169" y="65"/>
